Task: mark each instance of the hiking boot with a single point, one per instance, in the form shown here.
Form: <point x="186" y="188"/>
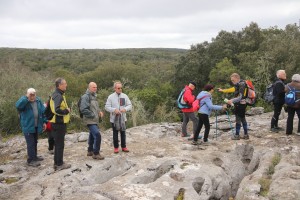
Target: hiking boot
<point x="245" y="137"/>
<point x="51" y="151"/>
<point x="125" y="149"/>
<point x="90" y="153"/>
<point x="235" y="137"/>
<point x="194" y="142"/>
<point x="279" y="128"/>
<point x="206" y="143"/>
<point x="34" y="163"/>
<point x="274" y="130"/>
<point x="39" y="158"/>
<point x="199" y="137"/>
<point x="184" y="135"/>
<point x="61" y="167"/>
<point x="116" y="150"/>
<point x="98" y="157"/>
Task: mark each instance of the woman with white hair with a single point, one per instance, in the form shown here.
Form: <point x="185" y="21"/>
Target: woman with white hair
<point x="291" y="109"/>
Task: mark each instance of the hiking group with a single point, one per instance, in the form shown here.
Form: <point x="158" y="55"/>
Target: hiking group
<point x="36" y="118"/>
<point x="278" y="93"/>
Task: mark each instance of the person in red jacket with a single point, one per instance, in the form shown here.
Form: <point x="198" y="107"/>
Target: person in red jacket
<point x="188" y="113"/>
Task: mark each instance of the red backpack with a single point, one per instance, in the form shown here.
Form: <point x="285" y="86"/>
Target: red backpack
<point x="251" y="95"/>
<point x="196" y="103"/>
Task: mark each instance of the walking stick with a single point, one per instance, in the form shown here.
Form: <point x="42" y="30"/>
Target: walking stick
<point x="230" y="122"/>
<point x="216" y="125"/>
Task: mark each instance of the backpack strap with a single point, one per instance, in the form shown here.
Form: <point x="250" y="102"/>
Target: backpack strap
<point x="201" y="99"/>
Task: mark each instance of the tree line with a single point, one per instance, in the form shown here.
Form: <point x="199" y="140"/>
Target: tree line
<point x="152" y="78"/>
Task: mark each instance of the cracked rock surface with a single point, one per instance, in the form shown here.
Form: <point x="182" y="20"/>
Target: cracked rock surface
<point x="162" y="165"/>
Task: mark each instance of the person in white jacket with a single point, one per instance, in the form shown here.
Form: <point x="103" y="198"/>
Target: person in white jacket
<point x="117" y="105"/>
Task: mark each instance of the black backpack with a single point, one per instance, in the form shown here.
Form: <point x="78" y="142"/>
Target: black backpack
<point x="268" y="96"/>
<point x="48" y="112"/>
<point x="78" y="105"/>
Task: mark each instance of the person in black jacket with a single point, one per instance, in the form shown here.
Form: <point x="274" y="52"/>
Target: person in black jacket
<point x="61" y="110"/>
<point x="278" y="100"/>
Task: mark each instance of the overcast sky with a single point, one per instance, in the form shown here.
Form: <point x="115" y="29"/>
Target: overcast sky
<point x="110" y="24"/>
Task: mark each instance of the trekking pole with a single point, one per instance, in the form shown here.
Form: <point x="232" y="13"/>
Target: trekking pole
<point x="230" y="122"/>
<point x="216" y="125"/>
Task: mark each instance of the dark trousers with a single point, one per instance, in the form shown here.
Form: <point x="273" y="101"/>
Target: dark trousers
<point x="94" y="141"/>
<point x="202" y="119"/>
<point x="116" y="137"/>
<point x="50" y="141"/>
<point x="240" y="118"/>
<point x="277" y="111"/>
<point x="31" y="141"/>
<point x="289" y="123"/>
<point x="59" y="132"/>
<point x="186" y="118"/>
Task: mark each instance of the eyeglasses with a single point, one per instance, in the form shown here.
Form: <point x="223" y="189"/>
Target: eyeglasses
<point x="119" y="88"/>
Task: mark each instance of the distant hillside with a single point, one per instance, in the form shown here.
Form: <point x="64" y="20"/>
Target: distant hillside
<point x="83" y="60"/>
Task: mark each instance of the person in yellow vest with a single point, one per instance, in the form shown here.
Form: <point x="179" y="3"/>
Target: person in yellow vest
<point x="61" y="111"/>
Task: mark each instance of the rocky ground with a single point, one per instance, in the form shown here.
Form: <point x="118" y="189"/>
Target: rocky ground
<point x="162" y="165"/>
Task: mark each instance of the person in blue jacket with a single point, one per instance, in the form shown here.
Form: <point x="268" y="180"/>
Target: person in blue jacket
<point x="33" y="122"/>
<point x="206" y="106"/>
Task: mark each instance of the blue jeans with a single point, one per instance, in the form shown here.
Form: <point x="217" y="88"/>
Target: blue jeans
<point x="31" y="140"/>
<point x="94" y="138"/>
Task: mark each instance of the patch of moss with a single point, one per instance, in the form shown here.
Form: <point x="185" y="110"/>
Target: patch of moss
<point x="265" y="182"/>
<point x="10" y="180"/>
<point x="180" y="195"/>
<point x="265" y="186"/>
<point x="182" y="166"/>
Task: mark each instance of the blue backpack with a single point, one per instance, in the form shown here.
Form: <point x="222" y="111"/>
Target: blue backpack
<point x="180" y="101"/>
<point x="291" y="97"/>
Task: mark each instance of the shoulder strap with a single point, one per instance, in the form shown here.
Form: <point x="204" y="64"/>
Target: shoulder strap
<point x="202" y="98"/>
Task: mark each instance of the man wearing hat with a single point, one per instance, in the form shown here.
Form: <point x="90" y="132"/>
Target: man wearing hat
<point x="33" y="122"/>
<point x="188" y="113"/>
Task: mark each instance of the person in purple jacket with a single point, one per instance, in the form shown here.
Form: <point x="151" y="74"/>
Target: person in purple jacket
<point x="206" y="106"/>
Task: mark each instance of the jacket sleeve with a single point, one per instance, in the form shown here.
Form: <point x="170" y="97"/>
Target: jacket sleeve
<point x="240" y="95"/>
<point x="108" y="105"/>
<point x="128" y="105"/>
<point x="188" y="97"/>
<point x="42" y="107"/>
<point x="57" y="100"/>
<point x="210" y="105"/>
<point x="21" y="103"/>
<point x="85" y="106"/>
<point x="229" y="90"/>
<point x="279" y="89"/>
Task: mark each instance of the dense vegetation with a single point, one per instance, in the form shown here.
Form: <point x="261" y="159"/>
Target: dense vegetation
<point x="152" y="77"/>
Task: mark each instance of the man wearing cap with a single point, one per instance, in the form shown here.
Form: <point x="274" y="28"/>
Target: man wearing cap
<point x="33" y="122"/>
<point x="188" y="113"/>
